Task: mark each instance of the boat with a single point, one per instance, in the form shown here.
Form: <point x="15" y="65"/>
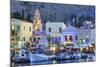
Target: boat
<point x="77" y="55"/>
<point x="62" y="56"/>
<point x="90" y="55"/>
<point x="35" y="57"/>
<point x="21" y="56"/>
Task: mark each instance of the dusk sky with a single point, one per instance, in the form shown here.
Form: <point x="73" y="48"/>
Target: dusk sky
<point x="59" y="12"/>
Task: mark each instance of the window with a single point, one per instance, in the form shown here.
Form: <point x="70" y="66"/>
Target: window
<point x="60" y="29"/>
<point x="49" y="29"/>
<point x="24" y="28"/>
<point x="18" y="28"/>
<point x="12" y="30"/>
<point x="66" y="38"/>
<point x="23" y="38"/>
<point x="76" y="37"/>
<point x="30" y="29"/>
<point x="70" y="37"/>
<point x="39" y="38"/>
<point x="34" y="39"/>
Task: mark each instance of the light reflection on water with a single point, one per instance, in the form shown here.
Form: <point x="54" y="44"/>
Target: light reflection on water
<point x="56" y="62"/>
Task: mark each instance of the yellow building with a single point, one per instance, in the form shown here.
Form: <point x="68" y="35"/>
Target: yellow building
<point x="21" y="32"/>
<point x="26" y="31"/>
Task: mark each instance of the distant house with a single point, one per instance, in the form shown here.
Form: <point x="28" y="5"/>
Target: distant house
<point x="54" y="29"/>
<point x="88" y="25"/>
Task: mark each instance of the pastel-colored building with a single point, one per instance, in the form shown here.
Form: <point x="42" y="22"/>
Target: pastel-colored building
<point x="72" y="35"/>
<point x="21" y="32"/>
<point x="27" y="29"/>
<point x="69" y="35"/>
<point x="15" y="31"/>
<point x="54" y="29"/>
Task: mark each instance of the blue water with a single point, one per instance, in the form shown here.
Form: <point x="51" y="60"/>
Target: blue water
<point x="56" y="62"/>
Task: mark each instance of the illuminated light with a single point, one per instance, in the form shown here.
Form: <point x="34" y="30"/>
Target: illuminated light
<point x="53" y="49"/>
<point x="19" y="42"/>
<point x="84" y="40"/>
<point x="81" y="49"/>
<point x="90" y="45"/>
<point x="13" y="27"/>
<point x="87" y="48"/>
<point x="68" y="41"/>
<point x="54" y="62"/>
<point x="87" y="60"/>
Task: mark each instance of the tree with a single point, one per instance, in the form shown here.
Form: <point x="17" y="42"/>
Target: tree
<point x="49" y="40"/>
<point x="74" y="20"/>
<point x="22" y="13"/>
<point x="81" y="20"/>
<point x="28" y="17"/>
<point x="16" y="15"/>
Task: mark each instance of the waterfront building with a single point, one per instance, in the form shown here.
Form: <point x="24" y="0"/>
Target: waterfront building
<point x="72" y="35"/>
<point x="15" y="32"/>
<point x="21" y="32"/>
<point x="54" y="29"/>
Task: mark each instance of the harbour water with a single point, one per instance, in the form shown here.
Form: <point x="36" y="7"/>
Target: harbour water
<point x="55" y="62"/>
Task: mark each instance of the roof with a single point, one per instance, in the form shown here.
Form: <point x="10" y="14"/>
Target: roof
<point x="70" y="28"/>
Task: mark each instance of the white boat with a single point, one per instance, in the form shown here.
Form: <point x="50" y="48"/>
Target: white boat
<point x="39" y="57"/>
<point x="77" y="55"/>
<point x="90" y="55"/>
<point x="21" y="56"/>
<point x="63" y="56"/>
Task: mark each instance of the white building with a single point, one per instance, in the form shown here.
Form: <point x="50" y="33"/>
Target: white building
<point x="54" y="29"/>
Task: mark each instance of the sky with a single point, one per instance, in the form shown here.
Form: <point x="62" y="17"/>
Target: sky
<point x="53" y="11"/>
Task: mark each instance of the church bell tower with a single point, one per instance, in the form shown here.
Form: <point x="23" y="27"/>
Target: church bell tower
<point x="37" y="23"/>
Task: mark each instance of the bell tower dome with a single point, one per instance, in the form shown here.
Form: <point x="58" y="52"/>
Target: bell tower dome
<point x="37" y="24"/>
